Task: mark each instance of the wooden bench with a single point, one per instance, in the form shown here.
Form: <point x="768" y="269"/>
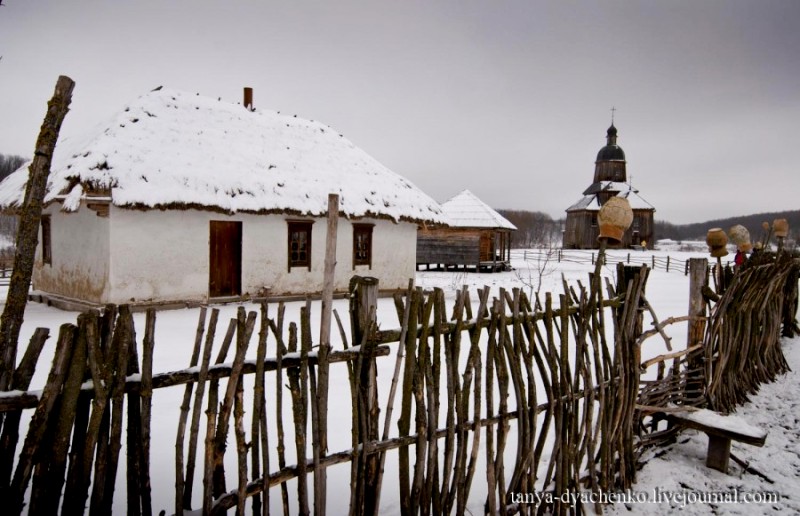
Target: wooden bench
<point x="721" y="430"/>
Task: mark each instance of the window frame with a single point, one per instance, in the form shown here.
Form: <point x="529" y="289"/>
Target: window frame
<point x="362" y="229"/>
<point x="298" y="226"/>
<point x="47" y="239"/>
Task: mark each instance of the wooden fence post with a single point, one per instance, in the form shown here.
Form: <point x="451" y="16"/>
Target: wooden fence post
<point x="28" y="231"/>
<point x="320" y="436"/>
<point x="363" y="306"/>
<point x="697" y="309"/>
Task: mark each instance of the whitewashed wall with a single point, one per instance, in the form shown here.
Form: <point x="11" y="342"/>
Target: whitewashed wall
<point x="80" y="256"/>
<point x="164" y="255"/>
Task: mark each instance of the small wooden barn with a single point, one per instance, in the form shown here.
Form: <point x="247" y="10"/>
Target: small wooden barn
<point x="475" y="236"/>
<point x="182" y="198"/>
<point x="610" y="179"/>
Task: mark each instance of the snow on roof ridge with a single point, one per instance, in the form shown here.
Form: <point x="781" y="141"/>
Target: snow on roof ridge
<point x="465" y="209"/>
<point x="170" y="148"/>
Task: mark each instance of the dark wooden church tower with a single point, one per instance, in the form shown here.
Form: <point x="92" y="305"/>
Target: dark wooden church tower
<point x="610" y="179"/>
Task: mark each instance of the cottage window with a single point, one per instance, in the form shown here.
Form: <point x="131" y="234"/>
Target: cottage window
<point x="362" y="245"/>
<point x="594" y="220"/>
<point x="47" y="248"/>
<point x="299" y="244"/>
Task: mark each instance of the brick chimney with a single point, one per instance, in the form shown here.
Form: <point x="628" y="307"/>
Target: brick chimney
<point x="248" y="99"/>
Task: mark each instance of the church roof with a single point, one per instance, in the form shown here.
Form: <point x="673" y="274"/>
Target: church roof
<point x="590" y="201"/>
<point x="171" y="149"/>
<point x="465" y="210"/>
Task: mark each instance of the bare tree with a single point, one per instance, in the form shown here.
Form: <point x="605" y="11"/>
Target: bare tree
<point x="8" y="223"/>
<point x="539" y="263"/>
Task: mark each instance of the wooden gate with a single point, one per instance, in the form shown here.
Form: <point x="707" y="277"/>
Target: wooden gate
<point x="225" y="259"/>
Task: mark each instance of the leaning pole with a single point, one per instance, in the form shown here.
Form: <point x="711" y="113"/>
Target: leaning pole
<point x="28" y="231"/>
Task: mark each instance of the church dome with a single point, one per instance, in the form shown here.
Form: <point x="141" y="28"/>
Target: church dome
<point x="612" y="151"/>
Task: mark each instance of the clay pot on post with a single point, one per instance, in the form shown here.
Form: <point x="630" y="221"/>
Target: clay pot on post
<point x="614" y="218"/>
<point x="740" y="236"/>
<point x="780" y="228"/>
<point x="717" y="242"/>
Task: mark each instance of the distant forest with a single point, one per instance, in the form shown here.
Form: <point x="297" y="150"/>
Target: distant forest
<point x="534" y="228"/>
<point x="753" y="223"/>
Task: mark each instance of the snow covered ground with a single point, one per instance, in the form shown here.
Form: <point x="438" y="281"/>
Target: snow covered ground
<point x="680" y="473"/>
<point x="679" y="470"/>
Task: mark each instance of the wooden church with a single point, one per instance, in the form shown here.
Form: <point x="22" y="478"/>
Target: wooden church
<point x="610" y="179"/>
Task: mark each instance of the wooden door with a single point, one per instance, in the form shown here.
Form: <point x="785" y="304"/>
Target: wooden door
<point x="225" y="259"/>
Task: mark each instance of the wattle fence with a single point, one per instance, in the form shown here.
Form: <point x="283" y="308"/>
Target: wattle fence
<point x="489" y="398"/>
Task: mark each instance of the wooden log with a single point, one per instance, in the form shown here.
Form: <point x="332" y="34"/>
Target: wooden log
<point x="40" y="418"/>
<point x="432" y="378"/>
<point x="20" y="381"/>
<point x="513" y="348"/>
<point x="124" y="334"/>
<point x="697" y="310"/>
<point x="277" y="329"/>
<point x="180" y="481"/>
<point x="78" y="445"/>
<point x="364" y="301"/>
<point x="184" y="485"/>
<point x="245" y="326"/>
<point x="211" y="420"/>
<point x="47" y="483"/>
<point x="29" y="399"/>
<point x="456" y="492"/>
<point x="449" y="444"/>
<point x="404" y="318"/>
<point x="420" y="412"/>
<point x="148" y="346"/>
<point x="298" y="412"/>
<point x="258" y="429"/>
<point x="305" y="386"/>
<point x="473" y="369"/>
<point x="134" y="437"/>
<point x="241" y="447"/>
<point x="321" y="401"/>
<point x="404" y="422"/>
<point x="491" y="505"/>
<point x="28" y="229"/>
<point x="78" y="489"/>
<point x="503" y="385"/>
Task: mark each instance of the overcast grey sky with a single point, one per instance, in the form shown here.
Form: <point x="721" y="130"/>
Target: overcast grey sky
<point x="509" y="99"/>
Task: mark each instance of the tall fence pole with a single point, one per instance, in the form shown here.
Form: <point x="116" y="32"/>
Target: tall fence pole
<point x="697" y="325"/>
<point x="321" y="428"/>
<point x="28" y="232"/>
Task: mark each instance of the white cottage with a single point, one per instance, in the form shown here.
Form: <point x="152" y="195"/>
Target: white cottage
<point x="183" y="198"/>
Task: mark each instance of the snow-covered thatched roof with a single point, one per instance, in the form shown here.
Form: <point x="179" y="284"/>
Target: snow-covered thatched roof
<point x="171" y="149"/>
<point x="591" y="202"/>
<point x="465" y="210"/>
